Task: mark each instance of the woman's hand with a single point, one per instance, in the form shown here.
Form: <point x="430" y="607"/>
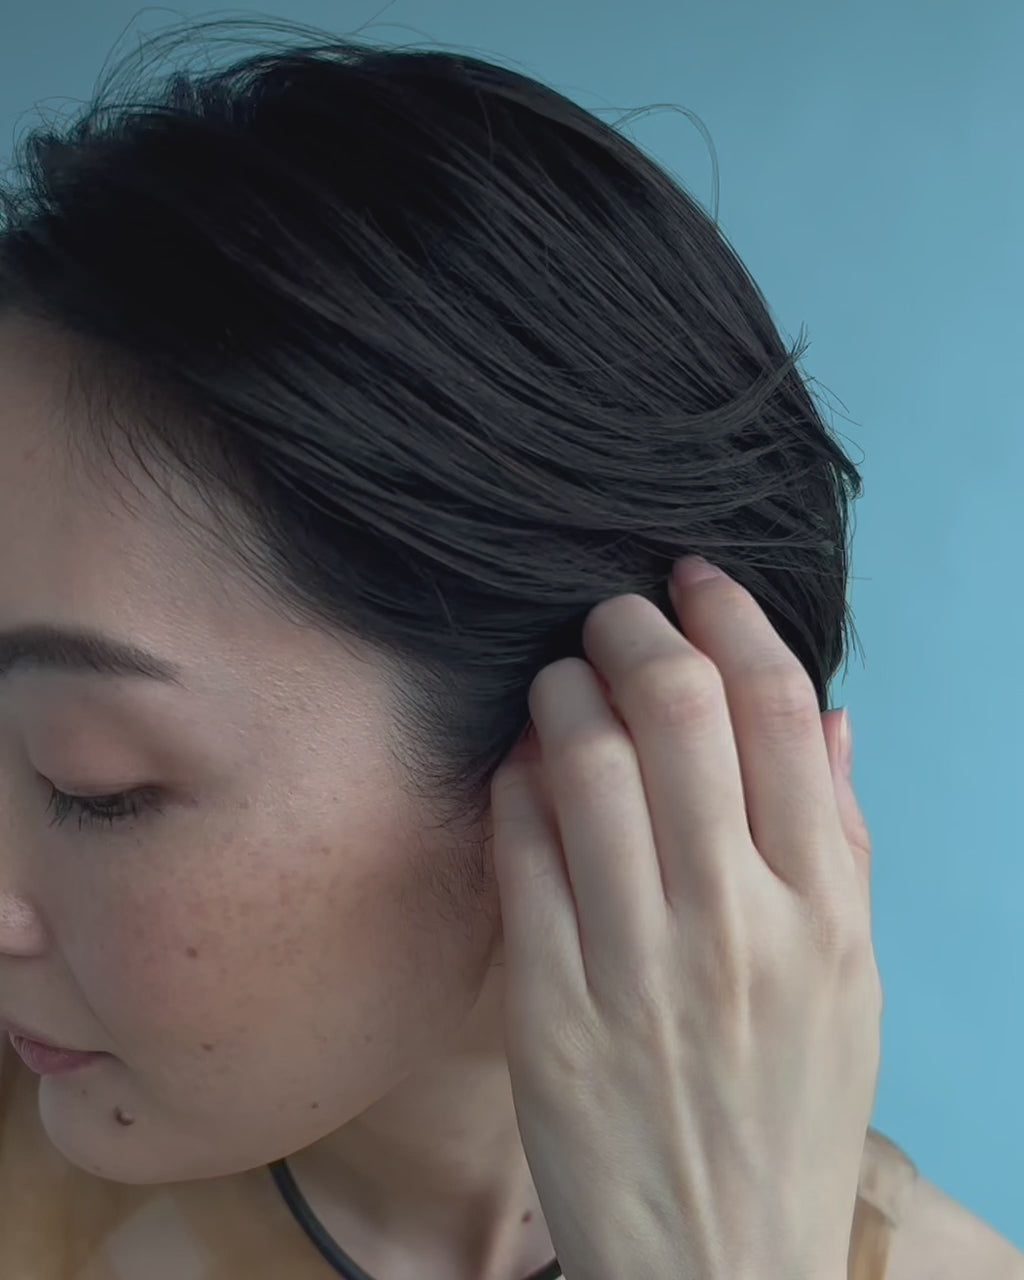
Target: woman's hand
<point x="693" y="1003"/>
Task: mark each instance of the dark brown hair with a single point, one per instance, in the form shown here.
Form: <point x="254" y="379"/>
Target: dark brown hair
<point x="449" y="359"/>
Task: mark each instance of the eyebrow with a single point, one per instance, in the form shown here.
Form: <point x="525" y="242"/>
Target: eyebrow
<point x="82" y="652"/>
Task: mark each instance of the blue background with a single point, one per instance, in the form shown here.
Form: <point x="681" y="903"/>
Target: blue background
<point x="870" y="176"/>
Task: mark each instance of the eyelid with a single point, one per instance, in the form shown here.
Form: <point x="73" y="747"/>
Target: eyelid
<point x="112" y="807"/>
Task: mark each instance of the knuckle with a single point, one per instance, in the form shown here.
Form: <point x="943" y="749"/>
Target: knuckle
<point x="606" y="611"/>
<point x="865" y="980"/>
<point x="675" y="689"/>
<point x="785" y="696"/>
<point x="595" y="754"/>
<point x="839" y="928"/>
<point x="831" y="932"/>
<point x="549" y="680"/>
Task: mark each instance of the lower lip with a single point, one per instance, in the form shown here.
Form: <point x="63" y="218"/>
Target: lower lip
<point x="46" y="1061"/>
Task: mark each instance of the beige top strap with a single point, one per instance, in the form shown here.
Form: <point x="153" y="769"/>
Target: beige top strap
<point x="885" y="1192"/>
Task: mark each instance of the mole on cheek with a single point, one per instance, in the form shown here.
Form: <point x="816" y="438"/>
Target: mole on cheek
<point x="122" y="1117"/>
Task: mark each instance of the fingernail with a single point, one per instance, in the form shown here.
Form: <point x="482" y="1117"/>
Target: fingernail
<point x="691" y="569"/>
<point x="846" y="742"/>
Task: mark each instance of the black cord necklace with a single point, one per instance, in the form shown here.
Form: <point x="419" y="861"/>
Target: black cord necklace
<point x="313" y="1228"/>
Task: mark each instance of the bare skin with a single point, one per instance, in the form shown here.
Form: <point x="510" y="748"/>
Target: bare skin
<point x="269" y="961"/>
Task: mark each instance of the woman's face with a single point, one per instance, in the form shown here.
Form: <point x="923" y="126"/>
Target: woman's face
<point x="274" y="950"/>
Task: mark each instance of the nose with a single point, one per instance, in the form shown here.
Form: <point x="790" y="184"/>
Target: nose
<point x="21" y="928"/>
<point x="22" y="931"/>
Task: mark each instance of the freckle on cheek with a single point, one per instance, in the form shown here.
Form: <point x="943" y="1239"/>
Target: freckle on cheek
<point x="191" y="952"/>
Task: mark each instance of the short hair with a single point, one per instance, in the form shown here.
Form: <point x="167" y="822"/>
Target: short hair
<point x="462" y="358"/>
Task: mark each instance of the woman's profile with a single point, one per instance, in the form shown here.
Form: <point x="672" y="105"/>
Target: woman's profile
<point x="340" y="384"/>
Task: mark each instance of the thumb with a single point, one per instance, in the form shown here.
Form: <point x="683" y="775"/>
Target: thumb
<point x="850" y="815"/>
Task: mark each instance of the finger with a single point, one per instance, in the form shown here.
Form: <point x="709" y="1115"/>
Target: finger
<point x="787" y="779"/>
<point x="671" y="699"/>
<point x="538" y="914"/>
<point x="600" y="806"/>
<point x="858" y="837"/>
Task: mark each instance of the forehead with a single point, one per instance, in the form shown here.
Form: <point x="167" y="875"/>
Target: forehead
<point x="69" y="544"/>
<point x="106" y="548"/>
<point x="90" y="544"/>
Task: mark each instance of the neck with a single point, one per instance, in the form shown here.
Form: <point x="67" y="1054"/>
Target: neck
<point x="432" y="1180"/>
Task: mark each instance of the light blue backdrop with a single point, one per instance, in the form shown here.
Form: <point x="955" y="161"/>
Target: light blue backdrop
<point x="871" y="178"/>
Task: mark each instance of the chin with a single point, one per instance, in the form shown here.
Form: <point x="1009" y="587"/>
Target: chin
<point x="147" y="1152"/>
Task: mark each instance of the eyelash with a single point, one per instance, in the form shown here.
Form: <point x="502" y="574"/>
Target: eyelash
<point x="96" y="809"/>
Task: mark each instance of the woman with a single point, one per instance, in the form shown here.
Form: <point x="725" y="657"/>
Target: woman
<point x="370" y="398"/>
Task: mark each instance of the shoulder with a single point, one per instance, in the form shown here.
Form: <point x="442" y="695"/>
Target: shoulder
<point x="940" y="1239"/>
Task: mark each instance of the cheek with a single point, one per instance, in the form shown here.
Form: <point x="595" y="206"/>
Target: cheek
<point x="162" y="958"/>
<point x="242" y="937"/>
<point x="260" y="997"/>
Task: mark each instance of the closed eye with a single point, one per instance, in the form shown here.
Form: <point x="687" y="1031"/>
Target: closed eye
<point x="117" y="807"/>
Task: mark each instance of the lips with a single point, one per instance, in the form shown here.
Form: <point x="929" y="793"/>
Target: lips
<point x="26" y="1033"/>
<point x="45" y="1061"/>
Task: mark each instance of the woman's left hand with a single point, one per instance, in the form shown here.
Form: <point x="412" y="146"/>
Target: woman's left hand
<point x="693" y="1006"/>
